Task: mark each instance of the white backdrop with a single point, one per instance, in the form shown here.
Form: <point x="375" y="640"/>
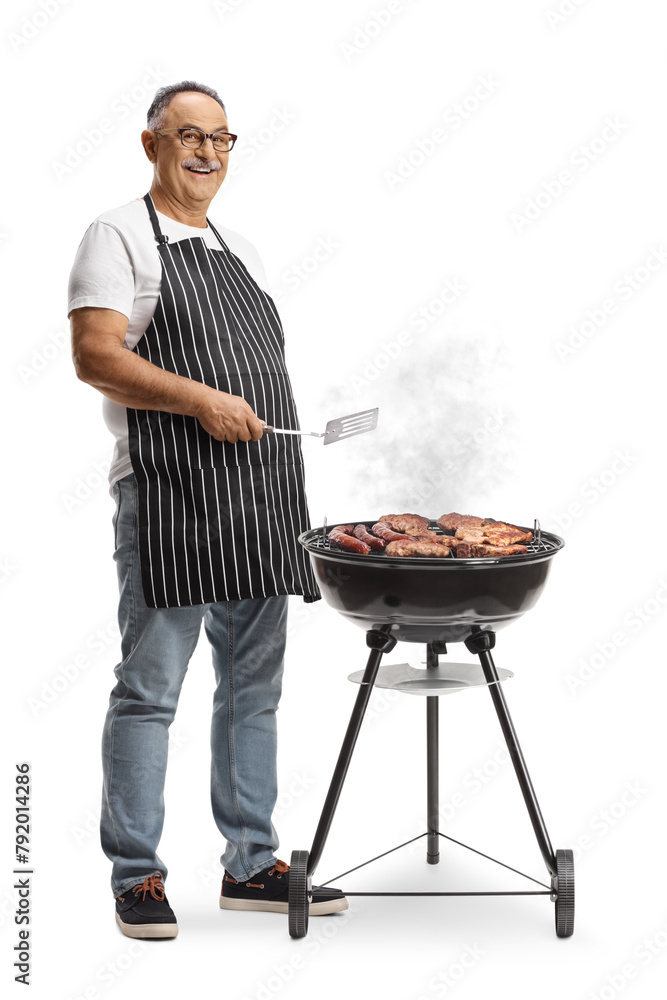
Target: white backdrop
<point x="460" y="207"/>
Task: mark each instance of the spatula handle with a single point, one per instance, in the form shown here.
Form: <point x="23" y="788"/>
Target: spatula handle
<point x="283" y="430"/>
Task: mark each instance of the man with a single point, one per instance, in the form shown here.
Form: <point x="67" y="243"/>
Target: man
<point x="172" y="322"/>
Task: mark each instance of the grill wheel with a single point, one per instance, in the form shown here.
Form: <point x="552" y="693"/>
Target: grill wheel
<point x="565" y="899"/>
<point x="298" y="903"/>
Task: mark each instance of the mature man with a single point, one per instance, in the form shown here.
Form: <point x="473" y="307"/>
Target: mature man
<point x="171" y="320"/>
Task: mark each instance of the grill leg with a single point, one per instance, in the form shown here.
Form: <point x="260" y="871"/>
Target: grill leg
<point x="432" y="777"/>
<point x="380" y="641"/>
<point x="482" y="642"/>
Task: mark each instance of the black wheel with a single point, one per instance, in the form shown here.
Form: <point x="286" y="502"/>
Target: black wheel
<point x="565" y="893"/>
<point x="299" y="904"/>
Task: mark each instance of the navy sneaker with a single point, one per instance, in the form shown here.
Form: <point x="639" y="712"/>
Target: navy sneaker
<point x="268" y="890"/>
<point x="144" y="911"/>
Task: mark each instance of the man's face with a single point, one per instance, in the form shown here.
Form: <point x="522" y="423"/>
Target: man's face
<point x="175" y="164"/>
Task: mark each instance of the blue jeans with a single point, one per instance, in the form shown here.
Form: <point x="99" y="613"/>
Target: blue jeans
<point x="248" y="642"/>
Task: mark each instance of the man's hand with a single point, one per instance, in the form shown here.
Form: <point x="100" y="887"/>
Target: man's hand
<point x="227" y="418"/>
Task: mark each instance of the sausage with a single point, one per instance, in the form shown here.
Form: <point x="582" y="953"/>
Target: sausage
<point x="342" y="537"/>
<point x="363" y="534"/>
<point x="382" y="530"/>
<point x="341" y="529"/>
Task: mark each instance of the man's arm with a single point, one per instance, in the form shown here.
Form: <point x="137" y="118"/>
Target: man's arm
<point x="101" y="360"/>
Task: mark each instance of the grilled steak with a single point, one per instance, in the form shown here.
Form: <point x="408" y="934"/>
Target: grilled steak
<point x="500" y="533"/>
<point x="432" y="536"/>
<point x="450" y="522"/>
<point x="475" y="550"/>
<point x="497" y="533"/>
<point x="469" y="534"/>
<point x="405" y="522"/>
<point x="416" y="547"/>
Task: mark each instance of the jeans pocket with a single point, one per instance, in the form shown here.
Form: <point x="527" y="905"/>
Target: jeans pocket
<point x="125" y="494"/>
<point x="115" y="490"/>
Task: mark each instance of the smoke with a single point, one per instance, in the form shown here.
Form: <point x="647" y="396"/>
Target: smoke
<point x="445" y="436"/>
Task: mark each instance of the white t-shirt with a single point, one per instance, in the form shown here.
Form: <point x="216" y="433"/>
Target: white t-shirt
<point x="117" y="266"/>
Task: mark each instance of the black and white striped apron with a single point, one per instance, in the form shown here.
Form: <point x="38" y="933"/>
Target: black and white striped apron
<point x="217" y="521"/>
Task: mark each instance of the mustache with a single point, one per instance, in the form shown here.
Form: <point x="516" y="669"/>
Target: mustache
<point x="196" y="161"/>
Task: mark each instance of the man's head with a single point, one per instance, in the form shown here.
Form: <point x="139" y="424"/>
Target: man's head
<point x="190" y="177"/>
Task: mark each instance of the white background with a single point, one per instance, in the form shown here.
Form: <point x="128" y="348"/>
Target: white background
<point x="480" y="411"/>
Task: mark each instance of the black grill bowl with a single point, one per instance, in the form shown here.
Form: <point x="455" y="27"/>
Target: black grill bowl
<point x="425" y="599"/>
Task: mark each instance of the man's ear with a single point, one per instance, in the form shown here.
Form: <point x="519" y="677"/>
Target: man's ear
<point x="149" y="142"/>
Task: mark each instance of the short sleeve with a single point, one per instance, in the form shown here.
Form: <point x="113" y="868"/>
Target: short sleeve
<point x="102" y="274"/>
<point x="247" y="254"/>
<point x="261" y="281"/>
<point x="254" y="264"/>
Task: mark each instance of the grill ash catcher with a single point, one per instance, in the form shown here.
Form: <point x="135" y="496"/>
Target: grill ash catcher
<point x="434" y="601"/>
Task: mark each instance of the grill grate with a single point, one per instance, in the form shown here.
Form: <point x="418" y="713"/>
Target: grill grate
<point x="541" y="544"/>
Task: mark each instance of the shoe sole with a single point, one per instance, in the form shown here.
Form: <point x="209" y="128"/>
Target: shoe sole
<point x="315" y="909"/>
<point x="148" y="930"/>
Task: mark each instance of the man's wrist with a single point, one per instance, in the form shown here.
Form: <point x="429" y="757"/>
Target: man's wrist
<point x="202" y="399"/>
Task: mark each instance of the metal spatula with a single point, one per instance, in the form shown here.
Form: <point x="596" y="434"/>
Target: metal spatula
<point x="339" y="429"/>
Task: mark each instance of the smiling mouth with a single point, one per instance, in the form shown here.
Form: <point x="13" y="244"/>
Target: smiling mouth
<point x="199" y="170"/>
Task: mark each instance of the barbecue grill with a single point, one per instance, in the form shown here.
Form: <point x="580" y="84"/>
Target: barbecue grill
<point x="434" y="601"/>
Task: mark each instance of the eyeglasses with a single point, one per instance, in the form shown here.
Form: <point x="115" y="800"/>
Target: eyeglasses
<point x="193" y="138"/>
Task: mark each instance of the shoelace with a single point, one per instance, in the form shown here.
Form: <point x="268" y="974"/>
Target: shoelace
<point x="152" y="884"/>
<point x="279" y="867"/>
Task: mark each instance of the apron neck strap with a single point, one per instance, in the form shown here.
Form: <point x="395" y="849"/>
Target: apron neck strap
<point x="217" y="235"/>
<point x="159" y="236"/>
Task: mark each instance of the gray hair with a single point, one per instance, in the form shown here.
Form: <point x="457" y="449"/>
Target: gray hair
<point x="158" y="109"/>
